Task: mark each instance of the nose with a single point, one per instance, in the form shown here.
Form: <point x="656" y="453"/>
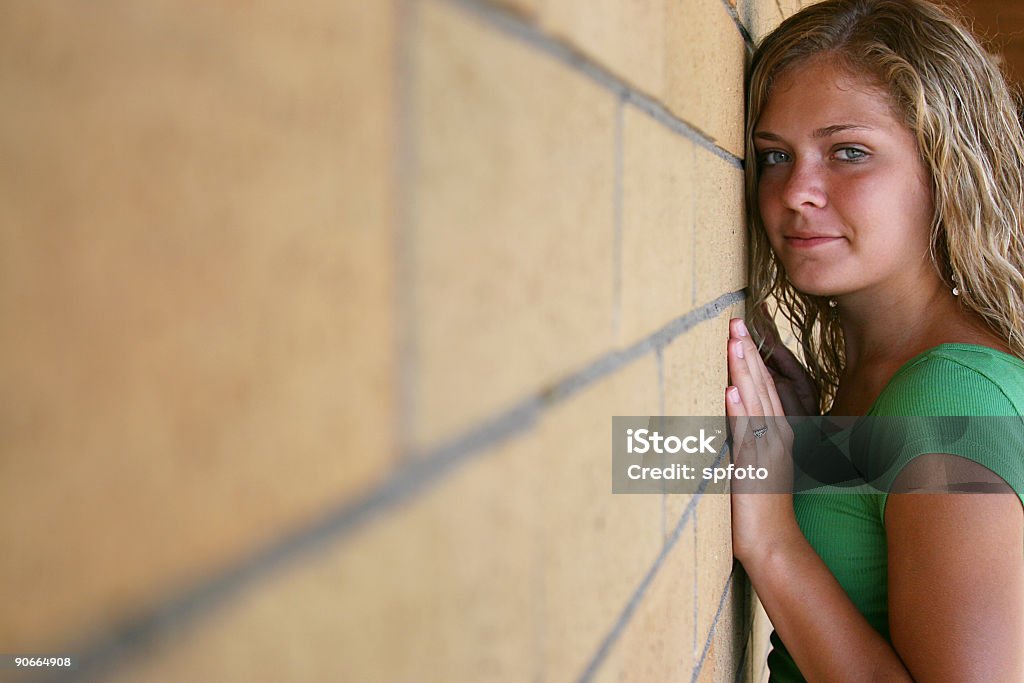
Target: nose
<point x="805" y="186"/>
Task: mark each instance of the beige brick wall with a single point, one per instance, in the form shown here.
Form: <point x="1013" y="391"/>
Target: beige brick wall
<point x="315" y="321"/>
<point x="196" y="220"/>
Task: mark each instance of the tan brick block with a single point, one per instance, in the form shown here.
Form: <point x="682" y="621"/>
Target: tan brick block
<point x="695" y="379"/>
<point x="759" y="16"/>
<point x="696" y="370"/>
<point x="658" y="642"/>
<point x="704" y="62"/>
<point x="597" y="546"/>
<point x="627" y="38"/>
<point x="714" y="548"/>
<point x="611" y="669"/>
<point x="513" y="243"/>
<point x="721" y="251"/>
<point x="657" y="225"/>
<point x="722" y="661"/>
<point x="196" y="291"/>
<point x="443" y="588"/>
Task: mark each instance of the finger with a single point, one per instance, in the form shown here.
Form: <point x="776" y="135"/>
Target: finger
<point x="734" y="405"/>
<point x="791" y="402"/>
<point x="742" y="448"/>
<point x="735" y="411"/>
<point x="765" y="374"/>
<point x="762" y="378"/>
<point x="753" y="444"/>
<point x="773" y="434"/>
<point x="776" y="354"/>
<point x="784" y="361"/>
<point x="760" y="442"/>
<point x="743" y="379"/>
<point x="738" y="331"/>
<point x="770" y="390"/>
<point x="762" y="439"/>
<point x="773" y="397"/>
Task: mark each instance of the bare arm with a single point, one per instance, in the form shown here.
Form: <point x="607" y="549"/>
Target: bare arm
<point x="956" y="569"/>
<point x="956" y="596"/>
<point x="956" y="577"/>
<point x="828" y="638"/>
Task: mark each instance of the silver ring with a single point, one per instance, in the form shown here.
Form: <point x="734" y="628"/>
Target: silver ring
<point x="760" y="431"/>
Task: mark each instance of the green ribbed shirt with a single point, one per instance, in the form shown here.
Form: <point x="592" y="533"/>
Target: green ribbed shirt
<point x="846" y="527"/>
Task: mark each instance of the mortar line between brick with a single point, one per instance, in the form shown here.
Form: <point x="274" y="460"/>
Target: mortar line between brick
<point x="634" y="601"/>
<point x="415" y="475"/>
<point x="659" y="356"/>
<point x="617" y="207"/>
<point x="711" y="631"/>
<point x="516" y="27"/>
<point x="748" y="40"/>
<point x="659" y="113"/>
<point x="405" y="158"/>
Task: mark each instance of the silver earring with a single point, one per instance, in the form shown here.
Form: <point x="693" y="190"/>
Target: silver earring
<point x="833" y="304"/>
<point x="956" y="288"/>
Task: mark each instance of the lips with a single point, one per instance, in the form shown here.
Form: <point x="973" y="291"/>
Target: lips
<point x="810" y="241"/>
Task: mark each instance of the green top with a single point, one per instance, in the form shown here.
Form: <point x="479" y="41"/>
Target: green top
<point x="846" y="526"/>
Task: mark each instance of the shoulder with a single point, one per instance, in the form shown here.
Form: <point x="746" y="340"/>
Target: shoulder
<point x="956" y="379"/>
<point x="961" y="405"/>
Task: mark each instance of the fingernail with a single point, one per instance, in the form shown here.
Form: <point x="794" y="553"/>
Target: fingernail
<point x="742" y="328"/>
<point x="739" y="349"/>
<point x="734" y="394"/>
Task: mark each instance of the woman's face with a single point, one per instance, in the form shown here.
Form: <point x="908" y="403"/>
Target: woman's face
<point x="843" y="194"/>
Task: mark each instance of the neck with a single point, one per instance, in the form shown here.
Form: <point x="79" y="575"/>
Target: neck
<point x="891" y="326"/>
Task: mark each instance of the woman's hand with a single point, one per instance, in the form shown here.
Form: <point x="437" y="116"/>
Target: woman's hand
<point x="762" y="442"/>
<point x="798" y="394"/>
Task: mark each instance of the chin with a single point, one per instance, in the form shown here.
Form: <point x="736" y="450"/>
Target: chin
<point x="815" y="286"/>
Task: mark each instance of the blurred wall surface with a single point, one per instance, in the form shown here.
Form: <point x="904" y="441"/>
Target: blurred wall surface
<point x="315" y="316"/>
<point x="1000" y="24"/>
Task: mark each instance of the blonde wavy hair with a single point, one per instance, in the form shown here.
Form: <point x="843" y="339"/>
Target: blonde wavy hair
<point x="951" y="94"/>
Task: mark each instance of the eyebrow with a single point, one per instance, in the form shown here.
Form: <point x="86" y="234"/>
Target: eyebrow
<point x="825" y="132"/>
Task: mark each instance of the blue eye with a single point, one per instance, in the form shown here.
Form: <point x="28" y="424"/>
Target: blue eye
<point x="850" y="154"/>
<point x="772" y="157"/>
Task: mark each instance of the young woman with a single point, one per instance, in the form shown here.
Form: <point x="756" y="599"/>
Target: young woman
<point x="885" y="189"/>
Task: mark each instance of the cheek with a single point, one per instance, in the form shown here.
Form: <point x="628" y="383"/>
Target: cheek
<point x="900" y="205"/>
